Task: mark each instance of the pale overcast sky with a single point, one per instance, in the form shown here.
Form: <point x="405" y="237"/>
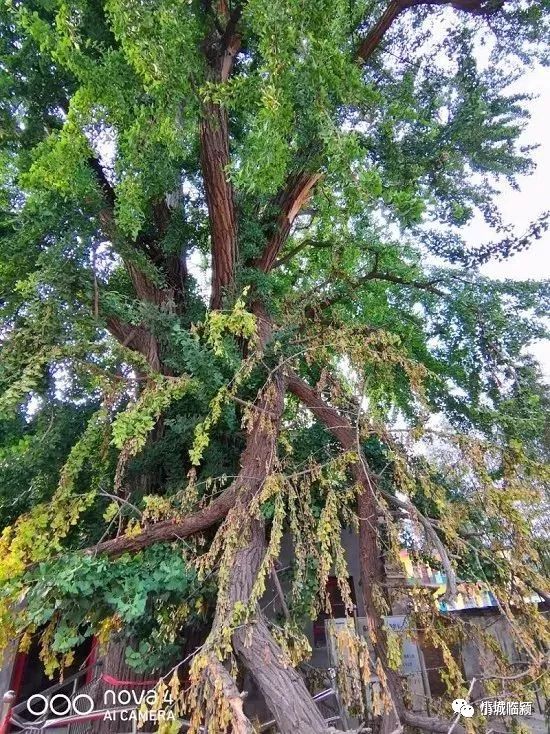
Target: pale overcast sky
<point x="519" y="208"/>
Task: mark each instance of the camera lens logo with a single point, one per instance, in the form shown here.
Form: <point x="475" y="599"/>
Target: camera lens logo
<point x="60" y="705"/>
<point x="460" y="706"/>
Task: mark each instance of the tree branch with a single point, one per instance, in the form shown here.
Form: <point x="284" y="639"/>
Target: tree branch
<point x="299" y="186"/>
<point x="256" y="462"/>
<point x="325" y="303"/>
<point x="377" y="32"/>
<point x="171" y="530"/>
<point x="214" y="155"/>
<point x="423" y="285"/>
<point x="452" y="590"/>
<point x="371" y="570"/>
<point x="137" y="338"/>
<point x="102" y="180"/>
<point x="288" y="203"/>
<point x="302" y="245"/>
<point x="255" y="465"/>
<point x="346" y="435"/>
<point x="216" y="673"/>
<point x="372" y="40"/>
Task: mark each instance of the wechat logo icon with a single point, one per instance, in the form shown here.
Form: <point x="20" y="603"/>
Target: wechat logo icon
<point x="461" y="706"/>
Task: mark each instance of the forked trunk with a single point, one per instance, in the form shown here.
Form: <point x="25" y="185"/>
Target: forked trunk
<point x="283" y="689"/>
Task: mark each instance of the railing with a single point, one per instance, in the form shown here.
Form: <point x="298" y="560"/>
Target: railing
<point x="41" y="722"/>
<point x="327" y="693"/>
<point x="78" y="723"/>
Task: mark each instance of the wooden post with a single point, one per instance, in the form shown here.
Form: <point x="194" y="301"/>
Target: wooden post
<point x="8" y="699"/>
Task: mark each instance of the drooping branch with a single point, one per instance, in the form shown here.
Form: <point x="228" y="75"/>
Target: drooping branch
<point x="218" y="675"/>
<point x="371" y="564"/>
<point x="346" y="435"/>
<point x="451" y="590"/>
<point x="372" y="40"/>
<point x="256" y="462"/>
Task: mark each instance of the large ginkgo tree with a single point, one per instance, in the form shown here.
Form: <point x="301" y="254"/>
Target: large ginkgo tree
<point x="237" y="305"/>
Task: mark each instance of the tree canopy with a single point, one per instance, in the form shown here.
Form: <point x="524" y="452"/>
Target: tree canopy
<point x="236" y="303"/>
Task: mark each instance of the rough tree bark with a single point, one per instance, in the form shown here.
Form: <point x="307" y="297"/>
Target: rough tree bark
<point x="116" y="676"/>
<point x="216" y="674"/>
<point x="214" y="146"/>
<point x="220" y="52"/>
<point x="288" y="204"/>
<point x="282" y="687"/>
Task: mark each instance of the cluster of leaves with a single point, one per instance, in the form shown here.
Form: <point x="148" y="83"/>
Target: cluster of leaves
<point x="73" y="598"/>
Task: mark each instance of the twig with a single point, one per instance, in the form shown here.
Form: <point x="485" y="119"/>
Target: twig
<point x="121" y="500"/>
<point x="457" y="717"/>
<point x="279" y="590"/>
<point x="452" y="588"/>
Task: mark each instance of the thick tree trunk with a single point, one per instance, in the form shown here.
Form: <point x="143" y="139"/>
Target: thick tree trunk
<point x="282" y="687"/>
<point x="116" y="677"/>
<point x="214" y="150"/>
<point x="215" y="160"/>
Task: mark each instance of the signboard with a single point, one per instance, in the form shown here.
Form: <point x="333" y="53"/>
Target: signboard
<point x="411" y="658"/>
<point x="411" y="661"/>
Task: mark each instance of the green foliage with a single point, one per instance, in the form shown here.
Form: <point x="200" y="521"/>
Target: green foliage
<point x="79" y="596"/>
<point x="239" y="323"/>
<point x="37" y="535"/>
<point x="126" y="401"/>
<point x="32" y="455"/>
<point x="131" y="427"/>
